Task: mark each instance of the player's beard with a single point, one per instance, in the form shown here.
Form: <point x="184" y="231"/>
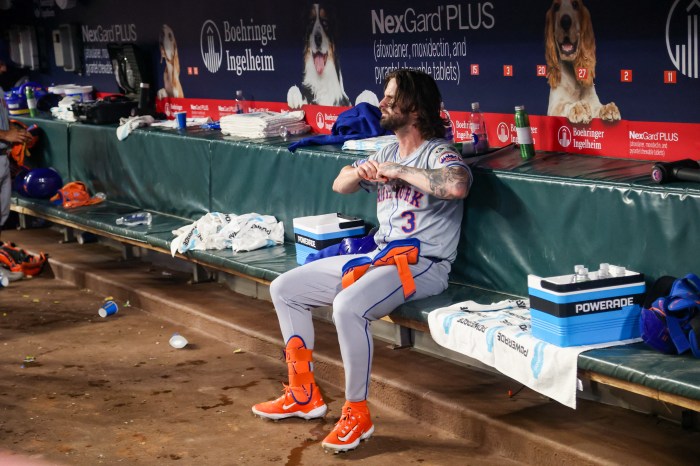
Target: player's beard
<point x="394" y="122"/>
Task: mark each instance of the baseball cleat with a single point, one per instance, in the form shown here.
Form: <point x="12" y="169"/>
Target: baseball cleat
<point x="354" y="426"/>
<point x="287" y="406"/>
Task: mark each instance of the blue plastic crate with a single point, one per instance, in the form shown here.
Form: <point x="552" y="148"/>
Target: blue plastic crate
<point x="596" y="311"/>
<point x="317" y="232"/>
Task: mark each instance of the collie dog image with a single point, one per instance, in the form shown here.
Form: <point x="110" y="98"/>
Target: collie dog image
<point x="570" y="52"/>
<point x="322" y="83"/>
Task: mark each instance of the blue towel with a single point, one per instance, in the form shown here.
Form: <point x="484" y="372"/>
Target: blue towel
<point x="358" y="122"/>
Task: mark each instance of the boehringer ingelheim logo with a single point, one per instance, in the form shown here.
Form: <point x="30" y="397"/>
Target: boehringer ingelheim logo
<point x="210" y="46"/>
<point x="564" y="136"/>
<point x="684" y="22"/>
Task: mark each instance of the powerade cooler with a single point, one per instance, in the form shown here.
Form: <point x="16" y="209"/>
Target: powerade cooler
<point x="320" y="231"/>
<point x="585" y="313"/>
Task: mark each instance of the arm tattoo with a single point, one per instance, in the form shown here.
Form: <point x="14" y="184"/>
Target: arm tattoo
<point x="444" y="181"/>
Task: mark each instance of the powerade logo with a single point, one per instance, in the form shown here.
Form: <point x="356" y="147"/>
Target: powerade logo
<point x="604" y="305"/>
<point x="306" y="241"/>
<point x="210" y="45"/>
<point x="684" y="51"/>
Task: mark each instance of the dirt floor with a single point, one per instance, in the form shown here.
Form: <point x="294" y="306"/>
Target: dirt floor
<point x="79" y="389"/>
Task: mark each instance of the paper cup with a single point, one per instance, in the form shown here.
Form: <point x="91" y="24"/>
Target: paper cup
<point x="181" y="118"/>
<point x="108" y="308"/>
<point x="178" y="341"/>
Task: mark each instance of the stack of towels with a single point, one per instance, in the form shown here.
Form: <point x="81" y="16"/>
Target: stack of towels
<point x="264" y="124"/>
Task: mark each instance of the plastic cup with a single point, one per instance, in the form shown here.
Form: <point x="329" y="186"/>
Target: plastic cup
<point x="177" y="341"/>
<point x="108" y="308"/>
<point x="181" y="118"/>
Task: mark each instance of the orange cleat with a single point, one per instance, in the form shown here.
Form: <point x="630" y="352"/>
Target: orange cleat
<point x="288" y="406"/>
<point x="354" y="425"/>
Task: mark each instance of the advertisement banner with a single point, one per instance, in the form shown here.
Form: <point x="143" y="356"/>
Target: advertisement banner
<point x="619" y="79"/>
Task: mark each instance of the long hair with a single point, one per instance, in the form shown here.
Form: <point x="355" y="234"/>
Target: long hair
<point x="417" y="91"/>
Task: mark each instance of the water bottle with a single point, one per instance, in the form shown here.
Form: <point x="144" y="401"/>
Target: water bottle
<point x="582" y="275"/>
<point x="31" y="100"/>
<point x="449" y="133"/>
<point x="477" y="127"/>
<point x="137" y="218"/>
<point x="241" y="104"/>
<point x="522" y="126"/>
<point x="144" y="98"/>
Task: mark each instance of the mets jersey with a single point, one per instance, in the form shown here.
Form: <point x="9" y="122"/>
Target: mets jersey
<point x="404" y="211"/>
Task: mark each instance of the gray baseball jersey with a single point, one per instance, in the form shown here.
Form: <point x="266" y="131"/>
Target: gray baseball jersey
<point x="402" y="211"/>
<point x="405" y="211"/>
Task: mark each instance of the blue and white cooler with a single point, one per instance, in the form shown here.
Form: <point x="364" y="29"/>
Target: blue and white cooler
<point x="320" y="231"/>
<point x="568" y="313"/>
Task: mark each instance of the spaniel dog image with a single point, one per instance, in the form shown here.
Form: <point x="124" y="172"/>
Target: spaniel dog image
<point x="571" y="61"/>
<point x="322" y="83"/>
<point x="171" y="75"/>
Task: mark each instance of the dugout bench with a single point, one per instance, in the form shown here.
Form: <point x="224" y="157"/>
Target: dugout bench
<point x="540" y="216"/>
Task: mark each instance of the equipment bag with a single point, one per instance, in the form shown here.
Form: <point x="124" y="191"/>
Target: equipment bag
<point x="16" y="259"/>
<point x="671" y="324"/>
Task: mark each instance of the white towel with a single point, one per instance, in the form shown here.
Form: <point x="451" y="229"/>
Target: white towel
<point x="127" y="125"/>
<point x="500" y="335"/>
<point x="216" y="230"/>
<point x="263" y="124"/>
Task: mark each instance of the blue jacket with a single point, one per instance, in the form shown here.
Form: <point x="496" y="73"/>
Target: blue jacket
<point x="358" y="122"/>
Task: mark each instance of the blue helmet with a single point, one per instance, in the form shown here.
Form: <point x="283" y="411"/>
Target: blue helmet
<point x="41" y="183"/>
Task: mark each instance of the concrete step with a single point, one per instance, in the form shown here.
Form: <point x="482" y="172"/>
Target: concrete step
<point x="467" y="402"/>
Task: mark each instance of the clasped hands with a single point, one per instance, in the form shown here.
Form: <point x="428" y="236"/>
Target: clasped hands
<point x="378" y="172"/>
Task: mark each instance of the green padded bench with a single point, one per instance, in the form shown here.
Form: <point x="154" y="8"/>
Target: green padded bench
<point x="261" y="265"/>
<point x="539" y="216"/>
<point x="634" y="368"/>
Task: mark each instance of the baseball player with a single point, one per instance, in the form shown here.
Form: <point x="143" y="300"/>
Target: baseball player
<point x="419" y="183"/>
<point x="9" y="134"/>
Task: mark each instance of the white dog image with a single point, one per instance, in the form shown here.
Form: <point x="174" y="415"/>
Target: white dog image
<point x="571" y="60"/>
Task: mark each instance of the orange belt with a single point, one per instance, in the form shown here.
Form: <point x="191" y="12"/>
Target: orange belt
<point x="400" y="253"/>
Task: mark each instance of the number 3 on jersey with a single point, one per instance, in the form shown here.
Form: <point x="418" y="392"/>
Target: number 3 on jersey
<point x="410" y="224"/>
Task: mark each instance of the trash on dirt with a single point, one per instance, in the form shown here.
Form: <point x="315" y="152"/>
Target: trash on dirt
<point x="29" y="361"/>
<point x="108" y="308"/>
<point x="177" y="341"/>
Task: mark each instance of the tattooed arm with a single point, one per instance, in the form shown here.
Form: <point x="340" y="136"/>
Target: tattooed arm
<point x="445" y="183"/>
